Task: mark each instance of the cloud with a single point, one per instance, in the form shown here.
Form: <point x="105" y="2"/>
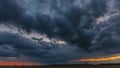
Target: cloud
<point x="66" y="16"/>
<point x="9" y="10"/>
<point x="14" y="45"/>
<point x="88" y="26"/>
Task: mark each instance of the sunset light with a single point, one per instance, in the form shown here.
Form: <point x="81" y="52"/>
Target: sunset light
<point x="111" y="58"/>
<point x="3" y="63"/>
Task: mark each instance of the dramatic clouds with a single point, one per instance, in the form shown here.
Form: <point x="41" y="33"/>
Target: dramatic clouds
<point x="52" y="32"/>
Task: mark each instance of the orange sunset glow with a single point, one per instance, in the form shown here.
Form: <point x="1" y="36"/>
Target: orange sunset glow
<point x="3" y="63"/>
<point x="116" y="57"/>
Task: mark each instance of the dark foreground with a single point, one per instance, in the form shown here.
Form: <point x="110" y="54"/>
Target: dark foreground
<point x="68" y="66"/>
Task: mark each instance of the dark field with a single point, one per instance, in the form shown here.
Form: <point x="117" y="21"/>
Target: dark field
<point x="68" y="66"/>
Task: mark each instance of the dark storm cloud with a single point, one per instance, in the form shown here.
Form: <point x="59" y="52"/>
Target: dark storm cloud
<point x="16" y="40"/>
<point x="9" y="10"/>
<point x="108" y="36"/>
<point x="65" y="25"/>
<point x="14" y="45"/>
<point x="6" y="52"/>
<point x="74" y="21"/>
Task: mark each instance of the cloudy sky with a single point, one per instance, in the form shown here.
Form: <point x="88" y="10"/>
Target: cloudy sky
<point x="44" y="32"/>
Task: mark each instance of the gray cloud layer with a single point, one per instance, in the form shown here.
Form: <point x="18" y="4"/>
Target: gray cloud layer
<point x="14" y="45"/>
<point x="92" y="25"/>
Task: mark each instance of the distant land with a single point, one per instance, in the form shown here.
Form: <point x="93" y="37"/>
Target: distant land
<point x="68" y="66"/>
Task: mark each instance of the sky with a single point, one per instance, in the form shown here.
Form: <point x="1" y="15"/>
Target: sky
<point x="48" y="32"/>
